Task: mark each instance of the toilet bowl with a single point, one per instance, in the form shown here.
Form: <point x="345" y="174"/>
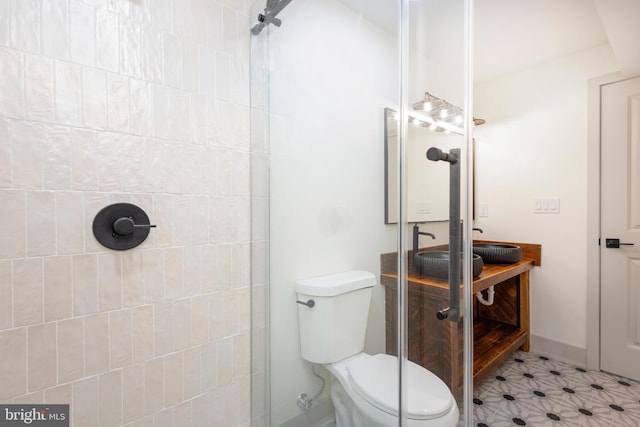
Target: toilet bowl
<point x="364" y="389"/>
<point x="365" y="394"/>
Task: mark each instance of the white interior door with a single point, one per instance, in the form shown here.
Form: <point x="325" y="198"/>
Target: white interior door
<point x="620" y="219"/>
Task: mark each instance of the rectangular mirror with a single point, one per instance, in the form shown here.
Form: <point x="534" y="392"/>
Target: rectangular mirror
<point x="428" y="182"/>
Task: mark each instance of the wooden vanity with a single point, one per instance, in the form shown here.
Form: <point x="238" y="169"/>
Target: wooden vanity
<point x="498" y="330"/>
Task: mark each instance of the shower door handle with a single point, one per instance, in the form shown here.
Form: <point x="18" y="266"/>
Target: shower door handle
<point x="452" y="312"/>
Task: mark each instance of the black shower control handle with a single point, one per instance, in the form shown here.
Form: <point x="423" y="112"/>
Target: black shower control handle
<point x="124" y="226"/>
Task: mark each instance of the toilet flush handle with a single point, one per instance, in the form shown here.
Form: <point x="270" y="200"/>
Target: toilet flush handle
<point x="310" y="303"/>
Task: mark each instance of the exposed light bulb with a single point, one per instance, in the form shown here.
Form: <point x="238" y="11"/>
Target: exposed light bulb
<point x="458" y="119"/>
<point x="443" y="113"/>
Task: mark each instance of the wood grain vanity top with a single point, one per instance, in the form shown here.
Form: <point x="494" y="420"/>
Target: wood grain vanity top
<point x="492" y="274"/>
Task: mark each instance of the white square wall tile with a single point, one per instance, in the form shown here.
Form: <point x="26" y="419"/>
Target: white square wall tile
<point x="121" y="338"/>
<point x="109" y="281"/>
<point x="6" y="179"/>
<point x="164" y="418"/>
<point x="141" y="110"/>
<point x="6" y="305"/>
<point x="151" y="54"/>
<point x="199" y="319"/>
<point x="153" y="385"/>
<point x="96" y="344"/>
<point x="142" y="333"/>
<point x="69" y="214"/>
<point x="68" y="93"/>
<point x="57" y="158"/>
<point x="55" y="32"/>
<point x="242" y="355"/>
<point x="172" y="52"/>
<point x="60" y="395"/>
<point x="4" y="22"/>
<point x="82" y="29"/>
<point x="42" y="369"/>
<point x="130" y="43"/>
<point x="153" y="269"/>
<point x="163" y="328"/>
<point x="109" y="146"/>
<point x="192" y="372"/>
<point x="132" y="393"/>
<point x="39" y="91"/>
<point x="29" y="398"/>
<point x="94" y="98"/>
<point x="13" y="227"/>
<point x="41" y="223"/>
<point x="181" y="324"/>
<point x="24" y="24"/>
<point x="13" y="369"/>
<point x="58" y="288"/>
<point x="224" y="357"/>
<point x="174" y="379"/>
<point x="107" y="40"/>
<point x="70" y="350"/>
<point x="111" y="398"/>
<point x="182" y="414"/>
<point x="27" y="143"/>
<point x="133" y="165"/>
<point x="84" y="158"/>
<point x="132" y="279"/>
<point x="86" y="402"/>
<point x="28" y="292"/>
<point x="118" y="106"/>
<point x="85" y="284"/>
<point x="173" y="272"/>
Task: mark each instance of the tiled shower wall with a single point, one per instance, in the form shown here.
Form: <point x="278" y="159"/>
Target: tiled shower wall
<point x="140" y="101"/>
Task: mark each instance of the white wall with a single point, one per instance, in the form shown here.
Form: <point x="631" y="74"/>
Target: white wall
<point x="534" y="144"/>
<point x="125" y="101"/>
<point x="332" y="74"/>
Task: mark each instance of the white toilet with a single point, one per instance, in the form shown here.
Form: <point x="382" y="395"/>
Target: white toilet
<point x="364" y="391"/>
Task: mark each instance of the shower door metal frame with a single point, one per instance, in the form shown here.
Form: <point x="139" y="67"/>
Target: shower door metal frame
<point x="404" y="231"/>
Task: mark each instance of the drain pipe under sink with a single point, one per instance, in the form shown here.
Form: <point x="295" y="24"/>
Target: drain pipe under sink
<point x="490" y="293"/>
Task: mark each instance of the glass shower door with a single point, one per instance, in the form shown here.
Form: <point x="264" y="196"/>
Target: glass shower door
<point x="432" y="293"/>
<point x="334" y="135"/>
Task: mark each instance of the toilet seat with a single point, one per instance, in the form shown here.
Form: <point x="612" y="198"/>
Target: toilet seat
<point x="375" y="379"/>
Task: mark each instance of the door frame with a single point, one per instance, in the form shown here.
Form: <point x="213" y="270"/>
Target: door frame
<point x="593" y="213"/>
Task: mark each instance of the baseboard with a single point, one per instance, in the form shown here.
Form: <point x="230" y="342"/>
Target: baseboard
<point x="319" y="415"/>
<point x="558" y="350"/>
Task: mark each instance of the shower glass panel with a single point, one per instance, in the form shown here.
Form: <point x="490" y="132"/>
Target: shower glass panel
<point x="324" y="75"/>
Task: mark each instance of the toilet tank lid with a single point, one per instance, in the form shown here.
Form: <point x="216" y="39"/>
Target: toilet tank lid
<point x="335" y="284"/>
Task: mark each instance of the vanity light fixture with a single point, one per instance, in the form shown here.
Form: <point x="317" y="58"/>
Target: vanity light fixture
<point x="439" y="115"/>
<point x="428" y="103"/>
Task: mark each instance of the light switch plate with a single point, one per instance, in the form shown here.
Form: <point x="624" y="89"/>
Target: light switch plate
<point x="546" y="205"/>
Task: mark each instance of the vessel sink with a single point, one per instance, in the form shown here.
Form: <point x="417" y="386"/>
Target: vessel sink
<point x="498" y="253"/>
<point x="436" y="264"/>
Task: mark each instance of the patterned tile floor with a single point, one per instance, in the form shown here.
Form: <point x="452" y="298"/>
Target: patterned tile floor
<point x="532" y="390"/>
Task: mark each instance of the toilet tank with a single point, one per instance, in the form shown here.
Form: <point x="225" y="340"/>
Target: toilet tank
<point x="334" y="328"/>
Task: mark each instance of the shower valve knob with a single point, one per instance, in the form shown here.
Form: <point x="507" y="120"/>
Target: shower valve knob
<point x="124" y="226"/>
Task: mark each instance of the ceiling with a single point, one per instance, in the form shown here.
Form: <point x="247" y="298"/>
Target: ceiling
<point x="510" y="35"/>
